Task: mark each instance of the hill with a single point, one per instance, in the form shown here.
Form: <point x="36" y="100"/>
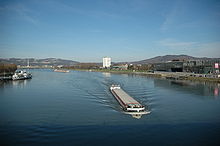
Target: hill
<point x="160" y="59"/>
<point x="39" y="62"/>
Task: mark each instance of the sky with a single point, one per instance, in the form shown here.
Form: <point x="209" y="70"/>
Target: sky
<point x="125" y="30"/>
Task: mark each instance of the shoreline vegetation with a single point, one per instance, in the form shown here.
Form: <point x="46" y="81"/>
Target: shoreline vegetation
<point x="7" y="69"/>
<point x="164" y="75"/>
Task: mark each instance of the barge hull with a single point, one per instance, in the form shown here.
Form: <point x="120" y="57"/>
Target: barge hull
<point x="128" y="103"/>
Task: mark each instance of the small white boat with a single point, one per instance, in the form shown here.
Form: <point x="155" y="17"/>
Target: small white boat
<point x="21" y="75"/>
<point x="61" y="70"/>
<point x="129" y="104"/>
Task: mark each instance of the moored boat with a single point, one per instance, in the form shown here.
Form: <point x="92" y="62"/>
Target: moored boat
<point x="21" y="75"/>
<point x="61" y="70"/>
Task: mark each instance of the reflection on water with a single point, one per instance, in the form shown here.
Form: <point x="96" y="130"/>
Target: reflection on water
<point x="56" y="109"/>
<point x="20" y="83"/>
<point x="14" y="84"/>
<point x="216" y="91"/>
<point x="205" y="89"/>
<point x="106" y="74"/>
<point x="137" y="115"/>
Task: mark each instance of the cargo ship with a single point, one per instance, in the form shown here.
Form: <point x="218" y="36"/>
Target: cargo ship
<point x="129" y="104"/>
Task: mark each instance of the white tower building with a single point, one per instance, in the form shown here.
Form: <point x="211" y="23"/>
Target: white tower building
<point x="106" y="62"/>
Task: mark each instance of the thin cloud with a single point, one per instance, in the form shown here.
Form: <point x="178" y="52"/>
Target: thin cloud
<point x="61" y="6"/>
<point x="211" y="49"/>
<point x="175" y="44"/>
<point x="20" y="12"/>
<point x="172" y="16"/>
<point x="169" y="20"/>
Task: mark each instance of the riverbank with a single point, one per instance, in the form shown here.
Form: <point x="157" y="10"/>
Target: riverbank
<point x="165" y="75"/>
<point x="6" y="71"/>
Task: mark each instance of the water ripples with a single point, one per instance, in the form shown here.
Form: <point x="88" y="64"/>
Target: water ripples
<point x="83" y="97"/>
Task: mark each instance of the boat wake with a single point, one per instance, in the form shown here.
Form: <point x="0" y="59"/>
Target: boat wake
<point x="96" y="90"/>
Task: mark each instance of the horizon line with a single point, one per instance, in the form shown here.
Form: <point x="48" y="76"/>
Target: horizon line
<point x="103" y="57"/>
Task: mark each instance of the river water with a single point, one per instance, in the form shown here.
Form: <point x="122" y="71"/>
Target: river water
<point x="77" y="108"/>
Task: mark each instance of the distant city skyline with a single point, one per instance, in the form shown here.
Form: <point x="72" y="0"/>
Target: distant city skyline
<point x="125" y="30"/>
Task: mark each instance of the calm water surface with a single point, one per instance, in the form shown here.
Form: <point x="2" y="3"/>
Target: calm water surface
<point x="77" y="108"/>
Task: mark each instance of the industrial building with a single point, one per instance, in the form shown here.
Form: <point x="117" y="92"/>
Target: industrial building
<point x="192" y="66"/>
<point x="171" y="66"/>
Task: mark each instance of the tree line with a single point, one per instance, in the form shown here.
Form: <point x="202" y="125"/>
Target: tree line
<point x="7" y="68"/>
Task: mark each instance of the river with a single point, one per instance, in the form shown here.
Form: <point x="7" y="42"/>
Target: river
<point x="77" y="108"/>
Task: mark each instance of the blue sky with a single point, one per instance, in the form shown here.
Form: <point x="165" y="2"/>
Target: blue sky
<point x="126" y="30"/>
